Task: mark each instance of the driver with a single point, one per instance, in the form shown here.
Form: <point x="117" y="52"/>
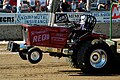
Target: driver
<point x="82" y="23"/>
<point x="78" y="28"/>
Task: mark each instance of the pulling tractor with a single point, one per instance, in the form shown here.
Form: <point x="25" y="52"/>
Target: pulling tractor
<point x="85" y="49"/>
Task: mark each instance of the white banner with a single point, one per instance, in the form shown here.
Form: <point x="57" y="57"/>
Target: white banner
<point x="33" y="18"/>
<point x="101" y="16"/>
<point x="104" y="17"/>
<point x="44" y="18"/>
<point x="7" y="18"/>
<point x="76" y="16"/>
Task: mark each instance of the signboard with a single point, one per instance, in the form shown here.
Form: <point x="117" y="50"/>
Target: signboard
<point x="116" y="11"/>
<point x="68" y="17"/>
<point x="76" y="16"/>
<point x="61" y="18"/>
<point x="25" y="18"/>
<point x="33" y="18"/>
<point x="101" y="16"/>
<point x="44" y="18"/>
<point x="7" y="18"/>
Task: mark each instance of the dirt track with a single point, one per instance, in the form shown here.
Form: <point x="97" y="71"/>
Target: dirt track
<point x="12" y="67"/>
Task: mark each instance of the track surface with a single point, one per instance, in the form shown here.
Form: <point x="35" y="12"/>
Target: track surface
<point x="12" y="67"/>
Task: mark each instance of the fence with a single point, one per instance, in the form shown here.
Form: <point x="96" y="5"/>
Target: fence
<point x="11" y="29"/>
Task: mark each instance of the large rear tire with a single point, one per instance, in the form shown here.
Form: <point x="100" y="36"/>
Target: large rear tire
<point x="94" y="57"/>
<point x="72" y="59"/>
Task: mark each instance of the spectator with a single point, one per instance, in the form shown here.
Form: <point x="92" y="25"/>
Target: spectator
<point x="49" y="4"/>
<point x="1" y="3"/>
<point x="109" y="2"/>
<point x="102" y="3"/>
<point x="73" y="6"/>
<point x="43" y="4"/>
<point x="58" y="6"/>
<point x="65" y="7"/>
<point x="13" y="4"/>
<point x="31" y="5"/>
<point x="6" y="6"/>
<point x="85" y="1"/>
<point x="38" y="5"/>
<point x="81" y="6"/>
<point x="22" y="6"/>
<point x="118" y="1"/>
<point x="69" y="8"/>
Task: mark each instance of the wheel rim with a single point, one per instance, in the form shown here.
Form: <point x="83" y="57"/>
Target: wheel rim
<point x="98" y="58"/>
<point x="35" y="55"/>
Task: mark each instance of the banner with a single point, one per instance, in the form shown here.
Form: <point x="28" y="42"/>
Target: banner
<point x="44" y="18"/>
<point x="68" y="17"/>
<point x="101" y="16"/>
<point x="33" y="18"/>
<point x="61" y="18"/>
<point x="7" y="18"/>
<point x="25" y="18"/>
<point x="116" y="11"/>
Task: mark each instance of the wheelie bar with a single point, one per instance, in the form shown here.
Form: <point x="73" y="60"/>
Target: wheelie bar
<point x="13" y="47"/>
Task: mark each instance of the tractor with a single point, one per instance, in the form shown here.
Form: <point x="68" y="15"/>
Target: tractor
<point x="83" y="48"/>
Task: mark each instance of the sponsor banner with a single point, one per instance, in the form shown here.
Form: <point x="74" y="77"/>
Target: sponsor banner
<point x="68" y="17"/>
<point x="33" y="18"/>
<point x="7" y="18"/>
<point x="101" y="16"/>
<point x="44" y="18"/>
<point x="76" y="16"/>
<point x="61" y="18"/>
<point x="116" y="11"/>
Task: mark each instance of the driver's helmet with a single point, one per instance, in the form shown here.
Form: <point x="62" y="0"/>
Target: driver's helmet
<point x="83" y="19"/>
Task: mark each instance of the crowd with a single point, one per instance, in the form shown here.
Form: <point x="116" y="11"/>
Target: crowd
<point x="21" y="6"/>
<point x="104" y="4"/>
<point x="71" y="6"/>
<point x="13" y="6"/>
<point x="32" y="6"/>
<point x="81" y="5"/>
<point x="8" y="5"/>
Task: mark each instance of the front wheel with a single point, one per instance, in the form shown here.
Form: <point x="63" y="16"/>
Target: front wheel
<point x="22" y="55"/>
<point x="95" y="57"/>
<point x="34" y="55"/>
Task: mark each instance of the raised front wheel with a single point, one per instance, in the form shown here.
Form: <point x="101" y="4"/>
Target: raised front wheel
<point x="34" y="55"/>
<point x="22" y="55"/>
